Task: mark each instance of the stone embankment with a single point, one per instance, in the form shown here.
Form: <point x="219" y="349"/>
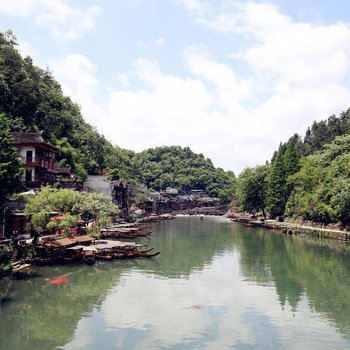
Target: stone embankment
<point x="294" y="228"/>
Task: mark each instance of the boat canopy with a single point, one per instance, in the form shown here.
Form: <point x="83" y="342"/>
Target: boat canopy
<point x="84" y="239"/>
<point x="76" y="247"/>
<point x="63" y="242"/>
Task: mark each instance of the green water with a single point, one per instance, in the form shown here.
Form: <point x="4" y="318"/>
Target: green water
<point x="215" y="285"/>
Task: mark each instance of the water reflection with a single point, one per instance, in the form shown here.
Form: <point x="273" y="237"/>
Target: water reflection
<point x="215" y="285"/>
<point x="300" y="266"/>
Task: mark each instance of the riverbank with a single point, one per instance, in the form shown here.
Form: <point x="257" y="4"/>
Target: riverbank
<point x="62" y="249"/>
<point x="294" y="228"/>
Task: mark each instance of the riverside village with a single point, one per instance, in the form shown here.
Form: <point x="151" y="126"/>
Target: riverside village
<point x="137" y="206"/>
<point x="174" y="175"/>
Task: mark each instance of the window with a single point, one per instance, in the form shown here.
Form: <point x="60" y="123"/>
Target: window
<point x="28" y="175"/>
<point x="29" y="156"/>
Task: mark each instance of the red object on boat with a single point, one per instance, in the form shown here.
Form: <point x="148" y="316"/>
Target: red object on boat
<point x="56" y="218"/>
<point x="59" y="280"/>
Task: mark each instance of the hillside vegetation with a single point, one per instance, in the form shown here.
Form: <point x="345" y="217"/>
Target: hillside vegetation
<point x="306" y="179"/>
<point x="32" y="100"/>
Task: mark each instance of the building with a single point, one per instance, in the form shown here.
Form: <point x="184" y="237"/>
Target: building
<point x="99" y="184"/>
<point x="39" y="158"/>
<point x="197" y="193"/>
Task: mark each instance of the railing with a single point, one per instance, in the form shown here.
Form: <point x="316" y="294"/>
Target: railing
<point x="35" y="159"/>
<point x="43" y="161"/>
<point x="49" y="165"/>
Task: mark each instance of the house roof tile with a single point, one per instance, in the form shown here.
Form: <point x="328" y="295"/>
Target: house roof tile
<point x="20" y="138"/>
<point x="27" y="137"/>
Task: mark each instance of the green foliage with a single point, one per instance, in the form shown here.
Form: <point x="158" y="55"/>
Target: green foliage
<point x="38" y="221"/>
<point x="95" y="228"/>
<point x="321" y="187"/>
<point x="121" y="164"/>
<point x="93" y="205"/>
<point x="141" y="200"/>
<point x="63" y="223"/>
<point x="325" y="131"/>
<point x="179" y="167"/>
<point x="5" y="256"/>
<point x="251" y="189"/>
<point x="50" y="200"/>
<point x="33" y="100"/>
<point x="314" y="187"/>
<point x="69" y="205"/>
<point x="277" y="186"/>
<point x="285" y="162"/>
<point x="11" y="168"/>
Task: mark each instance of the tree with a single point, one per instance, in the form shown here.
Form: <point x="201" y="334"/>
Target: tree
<point x="251" y="189"/>
<point x="321" y="189"/>
<point x="5" y="259"/>
<point x="68" y="205"/>
<point x="179" y="167"/>
<point x="94" y="205"/>
<point x="292" y="157"/>
<point x="11" y="167"/>
<point x="276" y="186"/>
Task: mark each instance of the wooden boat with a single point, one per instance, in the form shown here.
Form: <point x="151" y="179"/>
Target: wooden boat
<point x="20" y="267"/>
<point x="104" y="251"/>
<point x="49" y="260"/>
<point x="132" y="254"/>
<point x="120" y="255"/>
<point x="73" y="254"/>
<point x="147" y="255"/>
<point x="108" y="249"/>
<point x="102" y="256"/>
<point x="89" y="257"/>
<point x="141" y="251"/>
<point x="123" y="233"/>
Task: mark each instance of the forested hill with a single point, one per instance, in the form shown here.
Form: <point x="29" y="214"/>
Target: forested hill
<point x="179" y="167"/>
<point x="306" y="179"/>
<point x="33" y="100"/>
<point x="325" y="131"/>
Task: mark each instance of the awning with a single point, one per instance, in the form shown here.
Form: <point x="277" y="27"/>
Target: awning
<point x="84" y="239"/>
<point x="64" y="242"/>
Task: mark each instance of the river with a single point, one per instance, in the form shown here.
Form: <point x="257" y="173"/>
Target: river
<point x="215" y="285"/>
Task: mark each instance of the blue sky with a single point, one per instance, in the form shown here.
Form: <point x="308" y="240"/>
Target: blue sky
<point x="230" y="79"/>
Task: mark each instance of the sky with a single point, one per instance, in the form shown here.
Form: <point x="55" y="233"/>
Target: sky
<point x="229" y="79"/>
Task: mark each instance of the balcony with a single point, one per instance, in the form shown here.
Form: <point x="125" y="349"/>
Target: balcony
<point x="32" y="161"/>
<point x="44" y="162"/>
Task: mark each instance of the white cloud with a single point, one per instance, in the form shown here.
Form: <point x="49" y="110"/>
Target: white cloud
<point x="159" y="42"/>
<point x="298" y="72"/>
<point x="77" y="75"/>
<point x="230" y="91"/>
<point x="171" y="111"/>
<point x="76" y="70"/>
<point x="195" y="7"/>
<point x="156" y="43"/>
<point x="124" y="80"/>
<point x="26" y="49"/>
<point x="63" y="21"/>
<point x="19" y="8"/>
<point x="294" y="73"/>
<point x="295" y="53"/>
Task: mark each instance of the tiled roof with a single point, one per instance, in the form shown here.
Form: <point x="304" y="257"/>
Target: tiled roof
<point x="27" y="137"/>
<point x="22" y="138"/>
